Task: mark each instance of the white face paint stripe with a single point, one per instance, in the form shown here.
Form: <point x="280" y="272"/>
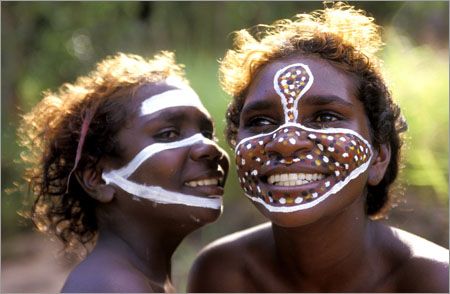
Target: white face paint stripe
<point x="172" y="98"/>
<point x="163" y="196"/>
<point x="156" y="193"/>
<point x="152" y="149"/>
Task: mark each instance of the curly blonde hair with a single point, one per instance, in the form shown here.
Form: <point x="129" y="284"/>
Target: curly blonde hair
<point x="73" y="128"/>
<point x="349" y="40"/>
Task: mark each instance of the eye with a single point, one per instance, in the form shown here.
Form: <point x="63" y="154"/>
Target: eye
<point x="167" y="134"/>
<point x="326" y="117"/>
<point x="259" y="121"/>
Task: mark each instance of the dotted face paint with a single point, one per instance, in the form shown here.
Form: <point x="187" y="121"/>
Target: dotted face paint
<point x="336" y="155"/>
<point x="158" y="194"/>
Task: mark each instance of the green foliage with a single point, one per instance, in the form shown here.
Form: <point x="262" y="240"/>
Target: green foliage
<point x="419" y="81"/>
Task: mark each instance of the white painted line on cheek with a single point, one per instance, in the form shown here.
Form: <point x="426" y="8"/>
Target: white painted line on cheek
<point x="159" y="195"/>
<point x="172" y="98"/>
<point x="152" y="149"/>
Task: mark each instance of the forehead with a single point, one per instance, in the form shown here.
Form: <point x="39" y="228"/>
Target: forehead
<point x="328" y="79"/>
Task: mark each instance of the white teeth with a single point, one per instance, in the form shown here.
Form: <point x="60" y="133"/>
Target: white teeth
<point x="293" y="179"/>
<point x="205" y="182"/>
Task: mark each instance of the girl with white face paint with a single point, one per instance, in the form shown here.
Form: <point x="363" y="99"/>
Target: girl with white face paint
<point x="316" y="138"/>
<point x="143" y="172"/>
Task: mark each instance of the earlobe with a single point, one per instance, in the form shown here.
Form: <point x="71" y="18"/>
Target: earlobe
<point x="92" y="183"/>
<point x="379" y="164"/>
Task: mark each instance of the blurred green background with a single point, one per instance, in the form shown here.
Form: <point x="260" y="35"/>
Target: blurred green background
<point x="47" y="43"/>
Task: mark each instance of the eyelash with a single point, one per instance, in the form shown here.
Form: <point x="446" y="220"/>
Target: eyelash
<point x="259" y="121"/>
<point x="166" y="135"/>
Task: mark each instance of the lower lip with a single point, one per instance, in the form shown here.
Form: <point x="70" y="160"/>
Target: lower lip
<point x="206" y="191"/>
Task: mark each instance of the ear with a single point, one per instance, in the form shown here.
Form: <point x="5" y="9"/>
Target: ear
<point x="379" y="164"/>
<point x="92" y="183"/>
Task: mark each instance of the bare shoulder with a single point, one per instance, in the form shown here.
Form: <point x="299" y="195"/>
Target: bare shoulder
<point x="99" y="275"/>
<point x="426" y="266"/>
<point x="221" y="265"/>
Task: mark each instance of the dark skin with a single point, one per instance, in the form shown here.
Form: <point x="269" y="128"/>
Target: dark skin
<point x="333" y="246"/>
<point x="137" y="237"/>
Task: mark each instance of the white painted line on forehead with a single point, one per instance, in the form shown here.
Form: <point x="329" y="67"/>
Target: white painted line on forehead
<point x="152" y="149"/>
<point x="172" y="98"/>
<point x="163" y="196"/>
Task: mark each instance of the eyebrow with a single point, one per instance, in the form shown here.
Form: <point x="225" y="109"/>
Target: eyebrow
<point x="326" y="100"/>
<point x="174" y="116"/>
<point x="259" y="105"/>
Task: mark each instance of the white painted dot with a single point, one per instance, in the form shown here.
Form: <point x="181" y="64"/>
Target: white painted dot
<point x="353" y="142"/>
<point x="331" y="149"/>
<point x="327" y="184"/>
<point x="336" y="163"/>
<point x="342" y="139"/>
<point x="246" y="173"/>
<point x="314" y="195"/>
<point x="296" y="159"/>
<point x="367" y="150"/>
<point x="311" y="136"/>
<point x="325" y="159"/>
<point x="303" y="78"/>
<point x="337" y="173"/>
<point x="282" y="200"/>
<point x="361" y="148"/>
<point x="258" y="159"/>
<point x="274" y="136"/>
<point x="330" y="138"/>
<point x="238" y="152"/>
<point x="320" y="147"/>
<point x="254" y="172"/>
<point x="243" y="161"/>
<point x="297" y="133"/>
<point x="292" y="141"/>
<point x="346" y="166"/>
<point x="270" y="199"/>
<point x="268" y="162"/>
<point x="258" y="189"/>
<point x="345" y="155"/>
<point x="298" y="200"/>
<point x="260" y="142"/>
<point x="309" y="156"/>
<point x="285" y="131"/>
<point x="355" y="157"/>
<point x="249" y="146"/>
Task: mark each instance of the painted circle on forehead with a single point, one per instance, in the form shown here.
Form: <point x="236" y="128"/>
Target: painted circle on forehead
<point x="291" y="83"/>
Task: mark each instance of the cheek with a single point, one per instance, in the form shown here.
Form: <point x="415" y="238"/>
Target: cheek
<point x="162" y="169"/>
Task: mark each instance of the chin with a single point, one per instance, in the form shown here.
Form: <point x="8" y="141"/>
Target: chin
<point x="293" y="219"/>
<point x="203" y="216"/>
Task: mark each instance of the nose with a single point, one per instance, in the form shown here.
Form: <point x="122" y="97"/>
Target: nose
<point x="289" y="143"/>
<point x="203" y="151"/>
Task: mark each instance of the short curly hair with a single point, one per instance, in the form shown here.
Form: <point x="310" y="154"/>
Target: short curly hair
<point x="349" y="40"/>
<point x="73" y="128"/>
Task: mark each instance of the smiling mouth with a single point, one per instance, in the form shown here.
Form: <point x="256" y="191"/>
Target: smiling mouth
<point x="205" y="182"/>
<point x="294" y="179"/>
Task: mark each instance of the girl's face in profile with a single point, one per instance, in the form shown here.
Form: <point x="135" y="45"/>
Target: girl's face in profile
<point x="303" y="141"/>
<point x="168" y="154"/>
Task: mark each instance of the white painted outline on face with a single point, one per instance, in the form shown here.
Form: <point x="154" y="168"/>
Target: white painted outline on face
<point x="338" y="186"/>
<point x="302" y="92"/>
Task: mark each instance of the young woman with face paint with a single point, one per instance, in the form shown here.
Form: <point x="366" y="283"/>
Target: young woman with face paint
<point x="316" y="138"/>
<point x="124" y="164"/>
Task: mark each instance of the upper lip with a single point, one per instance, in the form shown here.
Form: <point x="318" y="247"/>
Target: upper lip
<point x="294" y="169"/>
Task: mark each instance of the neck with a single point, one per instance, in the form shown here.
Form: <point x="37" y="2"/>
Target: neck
<point x="147" y="245"/>
<point x="338" y="244"/>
